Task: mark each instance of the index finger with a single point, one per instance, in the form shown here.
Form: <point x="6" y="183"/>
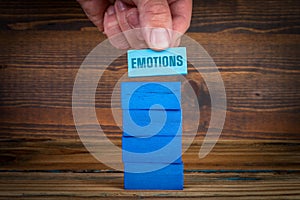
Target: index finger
<point x="181" y="14"/>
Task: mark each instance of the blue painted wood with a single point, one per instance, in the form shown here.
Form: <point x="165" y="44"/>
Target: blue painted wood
<point x="168" y="178"/>
<point x="143" y="95"/>
<point x="151" y="122"/>
<point x="143" y="118"/>
<point x="147" y="62"/>
<point x="136" y="150"/>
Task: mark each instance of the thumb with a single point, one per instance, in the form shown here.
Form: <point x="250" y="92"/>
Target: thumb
<point x="156" y="22"/>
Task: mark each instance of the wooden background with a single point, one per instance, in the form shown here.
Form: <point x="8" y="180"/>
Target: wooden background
<point x="255" y="45"/>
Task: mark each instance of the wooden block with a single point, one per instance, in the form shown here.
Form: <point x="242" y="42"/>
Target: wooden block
<point x="143" y="146"/>
<point x="167" y="178"/>
<point x="147" y="62"/>
<point x="150" y="122"/>
<point x="143" y="95"/>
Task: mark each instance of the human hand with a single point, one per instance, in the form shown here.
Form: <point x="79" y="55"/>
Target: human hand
<point x="94" y="10"/>
<point x="137" y="24"/>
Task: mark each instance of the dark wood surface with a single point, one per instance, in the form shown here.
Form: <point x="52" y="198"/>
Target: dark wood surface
<point x="255" y="45"/>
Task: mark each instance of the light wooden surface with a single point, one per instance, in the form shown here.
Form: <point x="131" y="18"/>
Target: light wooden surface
<point x="255" y="45"/>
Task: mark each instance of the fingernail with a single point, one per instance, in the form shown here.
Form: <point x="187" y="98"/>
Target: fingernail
<point x="133" y="19"/>
<point x="159" y="38"/>
<point x="111" y="10"/>
<point x="177" y="41"/>
<point x="121" y="6"/>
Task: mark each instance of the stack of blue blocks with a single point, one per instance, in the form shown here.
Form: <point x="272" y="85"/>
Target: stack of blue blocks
<point x="152" y="135"/>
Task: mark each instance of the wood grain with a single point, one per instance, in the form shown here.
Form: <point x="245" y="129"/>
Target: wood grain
<point x="235" y="16"/>
<point x="69" y="154"/>
<point x="255" y="45"/>
<point x="268" y="185"/>
<point x="36" y="96"/>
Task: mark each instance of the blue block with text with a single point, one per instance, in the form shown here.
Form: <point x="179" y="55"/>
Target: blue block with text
<point x="147" y="62"/>
<point x="167" y="178"/>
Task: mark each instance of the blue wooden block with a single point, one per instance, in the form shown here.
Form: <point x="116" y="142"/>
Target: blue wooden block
<point x="143" y="123"/>
<point x="168" y="178"/>
<point x="157" y="149"/>
<point x="143" y="95"/>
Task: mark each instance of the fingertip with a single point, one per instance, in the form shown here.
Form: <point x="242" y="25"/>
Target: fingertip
<point x="120" y="6"/>
<point x="94" y="9"/>
<point x="182" y="13"/>
<point x="159" y="39"/>
<point x="110" y="10"/>
<point x="113" y="30"/>
<point x="133" y="18"/>
<point x="176" y="43"/>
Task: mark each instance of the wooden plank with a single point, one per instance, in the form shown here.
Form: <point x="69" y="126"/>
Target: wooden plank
<point x="242" y="16"/>
<point x="257" y="156"/>
<point x="69" y="154"/>
<point x="257" y="70"/>
<point x="260" y="74"/>
<point x="269" y="16"/>
<point x="233" y="185"/>
<point x="57" y="123"/>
